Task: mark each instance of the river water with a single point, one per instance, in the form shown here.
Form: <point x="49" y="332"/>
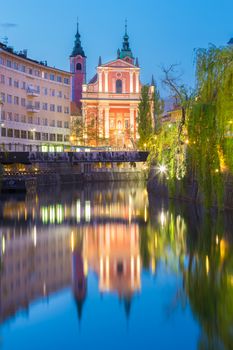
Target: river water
<point x="111" y="267"/>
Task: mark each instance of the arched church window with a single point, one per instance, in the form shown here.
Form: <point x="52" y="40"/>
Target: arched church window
<point x="78" y="66"/>
<point x="119" y="86"/>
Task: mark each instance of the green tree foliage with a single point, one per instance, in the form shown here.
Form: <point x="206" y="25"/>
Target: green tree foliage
<point x="145" y="127"/>
<point x="210" y="122"/>
<point x="158" y="109"/>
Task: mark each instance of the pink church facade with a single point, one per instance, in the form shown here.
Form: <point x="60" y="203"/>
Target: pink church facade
<point x="109" y="101"/>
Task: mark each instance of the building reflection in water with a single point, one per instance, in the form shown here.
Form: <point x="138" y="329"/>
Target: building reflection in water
<point x="54" y="241"/>
<point x="46" y="246"/>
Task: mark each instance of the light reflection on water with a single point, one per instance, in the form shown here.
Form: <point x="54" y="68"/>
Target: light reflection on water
<point x="108" y="267"/>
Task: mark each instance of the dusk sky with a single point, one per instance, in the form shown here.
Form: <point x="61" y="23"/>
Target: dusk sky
<point x="161" y="32"/>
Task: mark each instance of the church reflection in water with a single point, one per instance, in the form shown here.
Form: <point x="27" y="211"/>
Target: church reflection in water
<point x="47" y="245"/>
<point x="55" y="240"/>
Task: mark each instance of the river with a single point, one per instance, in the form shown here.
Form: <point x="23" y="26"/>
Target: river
<point x="111" y="267"/>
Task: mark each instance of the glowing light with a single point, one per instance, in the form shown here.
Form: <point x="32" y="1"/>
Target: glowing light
<point x="34" y="236"/>
<point x="161" y="169"/>
<point x="187" y="142"/>
<point x="223" y="249"/>
<point x="3" y="244"/>
<point x="145" y="214"/>
<point x="85" y="267"/>
<point x="162" y="218"/>
<point x="87" y="211"/>
<point x="153" y="265"/>
<point x="217" y="240"/>
<point x="72" y="241"/>
<point x="78" y="211"/>
<point x="207" y="264"/>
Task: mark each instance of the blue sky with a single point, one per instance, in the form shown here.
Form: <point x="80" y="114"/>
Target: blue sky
<point x="161" y="31"/>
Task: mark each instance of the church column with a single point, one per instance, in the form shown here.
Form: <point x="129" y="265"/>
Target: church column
<point x="106" y="117"/>
<point x="106" y="81"/>
<point x="137" y="82"/>
<point x="100" y="81"/>
<point x="131" y="82"/>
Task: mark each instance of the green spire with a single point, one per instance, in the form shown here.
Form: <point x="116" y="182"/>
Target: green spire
<point x="126" y="50"/>
<point x="77" y="50"/>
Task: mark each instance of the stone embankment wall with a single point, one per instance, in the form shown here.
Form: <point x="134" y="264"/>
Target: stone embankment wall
<point x="187" y="189"/>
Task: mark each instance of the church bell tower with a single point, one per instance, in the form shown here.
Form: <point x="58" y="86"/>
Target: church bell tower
<point x="78" y="70"/>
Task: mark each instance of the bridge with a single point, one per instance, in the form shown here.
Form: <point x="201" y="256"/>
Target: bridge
<point x="73" y="157"/>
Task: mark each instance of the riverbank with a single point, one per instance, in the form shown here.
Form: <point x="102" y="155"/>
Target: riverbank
<point x="187" y="190"/>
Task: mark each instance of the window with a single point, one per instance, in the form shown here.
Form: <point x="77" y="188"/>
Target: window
<point x="9" y="132"/>
<point x="17" y="134"/>
<point x="59" y="80"/>
<point x="59" y="124"/>
<point x="52" y="108"/>
<point x="45" y="106"/>
<point x="3" y="97"/>
<point x="78" y="66"/>
<point x="3" y="133"/>
<point x="66" y="138"/>
<point x="10" y="116"/>
<point x="30" y="135"/>
<point x="16" y="117"/>
<point x="45" y="91"/>
<point x="23" y="102"/>
<point x="30" y="71"/>
<point x="45" y="136"/>
<point x="1" y="60"/>
<point x="119" y="86"/>
<point x="37" y="136"/>
<point x="2" y="79"/>
<point x="52" y="77"/>
<point x="3" y="116"/>
<point x="37" y="73"/>
<point x="52" y="137"/>
<point x="59" y="137"/>
<point x="10" y="81"/>
<point x="16" y="66"/>
<point x="126" y="123"/>
<point x="23" y="134"/>
<point x="23" y="119"/>
<point x="16" y="100"/>
<point x="8" y="64"/>
<point x="59" y="94"/>
<point x="66" y="110"/>
<point x="45" y="121"/>
<point x="30" y="120"/>
<point x="9" y="99"/>
<point x="59" y="109"/>
<point x="66" y="125"/>
<point x="16" y="83"/>
<point x="52" y="92"/>
<point x="37" y="105"/>
<point x="66" y="81"/>
<point x="23" y="69"/>
<point x="23" y="85"/>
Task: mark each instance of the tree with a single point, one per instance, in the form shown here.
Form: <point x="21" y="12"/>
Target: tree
<point x="158" y="109"/>
<point x="145" y="128"/>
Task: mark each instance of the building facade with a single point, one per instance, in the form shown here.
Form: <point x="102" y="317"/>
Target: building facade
<point x="110" y="100"/>
<point x="35" y="110"/>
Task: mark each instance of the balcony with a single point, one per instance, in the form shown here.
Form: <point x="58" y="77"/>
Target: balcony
<point x="32" y="92"/>
<point x="90" y="95"/>
<point x="32" y="109"/>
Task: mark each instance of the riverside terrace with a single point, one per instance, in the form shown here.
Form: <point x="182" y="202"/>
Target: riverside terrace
<point x="73" y="157"/>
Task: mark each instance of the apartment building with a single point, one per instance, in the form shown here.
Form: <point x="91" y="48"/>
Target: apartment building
<point x="35" y="104"/>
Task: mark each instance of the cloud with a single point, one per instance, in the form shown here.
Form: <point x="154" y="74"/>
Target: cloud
<point x="8" y="25"/>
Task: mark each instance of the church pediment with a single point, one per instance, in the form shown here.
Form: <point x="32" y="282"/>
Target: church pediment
<point x="119" y="63"/>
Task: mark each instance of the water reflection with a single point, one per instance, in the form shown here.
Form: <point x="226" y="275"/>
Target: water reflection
<point x="58" y="238"/>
